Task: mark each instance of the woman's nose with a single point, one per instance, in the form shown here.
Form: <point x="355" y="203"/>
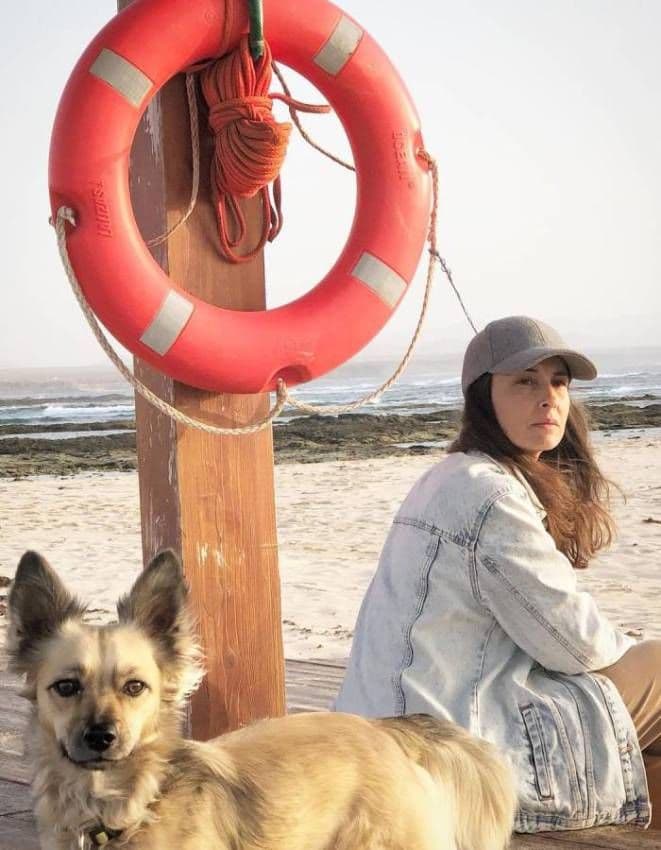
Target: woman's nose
<point x="548" y="397"/>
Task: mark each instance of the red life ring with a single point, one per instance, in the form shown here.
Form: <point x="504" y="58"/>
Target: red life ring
<point x="192" y="341"/>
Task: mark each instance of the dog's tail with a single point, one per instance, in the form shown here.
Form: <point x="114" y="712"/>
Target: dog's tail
<point x="482" y="780"/>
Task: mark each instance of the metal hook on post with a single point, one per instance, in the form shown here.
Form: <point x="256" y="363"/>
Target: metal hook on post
<point x="256" y="14"/>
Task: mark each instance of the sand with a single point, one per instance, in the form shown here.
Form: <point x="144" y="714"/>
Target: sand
<point x="332" y="519"/>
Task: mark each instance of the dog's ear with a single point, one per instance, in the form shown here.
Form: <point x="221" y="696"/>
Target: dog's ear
<point x="38" y="605"/>
<point x="157" y="601"/>
<point x="158" y="604"/>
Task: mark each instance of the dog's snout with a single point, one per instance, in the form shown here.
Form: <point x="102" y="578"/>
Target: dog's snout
<point x="100" y="736"/>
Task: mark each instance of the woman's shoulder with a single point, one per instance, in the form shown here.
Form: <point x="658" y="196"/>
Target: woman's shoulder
<point x="459" y="487"/>
<point x="476" y="471"/>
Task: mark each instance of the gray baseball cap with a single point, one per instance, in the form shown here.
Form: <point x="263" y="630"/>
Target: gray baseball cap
<point x="516" y="343"/>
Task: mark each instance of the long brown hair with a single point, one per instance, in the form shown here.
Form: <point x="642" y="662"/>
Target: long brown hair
<point x="567" y="480"/>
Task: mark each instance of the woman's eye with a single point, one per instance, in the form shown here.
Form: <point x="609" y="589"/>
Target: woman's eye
<point x="134" y="688"/>
<point x="67" y="687"/>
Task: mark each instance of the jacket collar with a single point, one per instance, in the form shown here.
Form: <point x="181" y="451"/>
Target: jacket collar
<point x="539" y="507"/>
<point x="520" y="477"/>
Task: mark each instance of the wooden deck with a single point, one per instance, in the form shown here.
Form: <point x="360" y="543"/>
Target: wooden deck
<point x="310" y="687"/>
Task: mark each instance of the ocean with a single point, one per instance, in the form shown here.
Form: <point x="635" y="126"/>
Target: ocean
<point x="71" y="402"/>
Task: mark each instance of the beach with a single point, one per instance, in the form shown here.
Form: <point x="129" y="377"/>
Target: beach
<point x="333" y="516"/>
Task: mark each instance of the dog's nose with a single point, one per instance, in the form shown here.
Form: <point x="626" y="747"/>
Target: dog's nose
<point x="100" y="736"/>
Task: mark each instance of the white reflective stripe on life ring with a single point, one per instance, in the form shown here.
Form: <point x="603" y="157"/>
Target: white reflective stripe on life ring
<point x="170" y="320"/>
<point x="380" y="278"/>
<point x="122" y="75"/>
<point x="340" y="47"/>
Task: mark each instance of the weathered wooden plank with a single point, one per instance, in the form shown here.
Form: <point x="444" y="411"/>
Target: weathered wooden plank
<point x="13" y="765"/>
<point x="10" y="682"/>
<point x="600" y="838"/>
<point x="14" y="798"/>
<point x="311" y="686"/>
<point x="540" y="841"/>
<point x="17" y="825"/>
<point x="18" y="832"/>
<point x="14" y="713"/>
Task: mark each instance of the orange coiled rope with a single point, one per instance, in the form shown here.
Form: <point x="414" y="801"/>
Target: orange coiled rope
<point x="250" y="145"/>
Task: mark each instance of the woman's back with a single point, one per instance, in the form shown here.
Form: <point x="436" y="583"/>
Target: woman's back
<point x="420" y="602"/>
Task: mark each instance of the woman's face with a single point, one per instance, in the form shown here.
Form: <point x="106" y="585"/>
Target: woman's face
<point x="532" y="406"/>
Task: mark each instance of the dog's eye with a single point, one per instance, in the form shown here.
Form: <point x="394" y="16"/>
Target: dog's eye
<point x="67" y="687"/>
<point x="134" y="688"/>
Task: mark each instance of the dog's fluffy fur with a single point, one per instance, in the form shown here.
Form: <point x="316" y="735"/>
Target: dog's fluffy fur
<point x="305" y="782"/>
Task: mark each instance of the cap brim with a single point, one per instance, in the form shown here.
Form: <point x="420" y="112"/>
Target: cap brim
<point x="579" y="366"/>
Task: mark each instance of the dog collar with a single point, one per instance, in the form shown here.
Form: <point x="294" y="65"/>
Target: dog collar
<point x="100" y="835"/>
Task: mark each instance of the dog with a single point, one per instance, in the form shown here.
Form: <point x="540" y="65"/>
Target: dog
<point x="111" y="767"/>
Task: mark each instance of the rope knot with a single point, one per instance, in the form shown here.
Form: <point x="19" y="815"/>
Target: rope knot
<point x="250" y="144"/>
<point x="254" y="108"/>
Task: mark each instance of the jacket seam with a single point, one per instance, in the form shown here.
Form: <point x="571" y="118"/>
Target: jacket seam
<point x="620" y="732"/>
<point x="563" y="734"/>
<point x="476" y="703"/>
<point x="538" y="751"/>
<point x="423" y="525"/>
<point x="468" y="540"/>
<point x="588" y="801"/>
<point x="484" y="509"/>
<point x="491" y="565"/>
<point x="517" y="480"/>
<point x="475" y="536"/>
<point x="639" y="808"/>
<point x="585" y="736"/>
<point x="407" y="660"/>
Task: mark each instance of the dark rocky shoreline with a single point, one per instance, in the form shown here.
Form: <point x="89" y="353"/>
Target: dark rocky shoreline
<point x="304" y="440"/>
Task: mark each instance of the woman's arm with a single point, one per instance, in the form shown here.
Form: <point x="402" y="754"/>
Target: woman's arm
<point x="530" y="587"/>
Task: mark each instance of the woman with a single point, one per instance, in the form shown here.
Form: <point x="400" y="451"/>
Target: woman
<point x="473" y="613"/>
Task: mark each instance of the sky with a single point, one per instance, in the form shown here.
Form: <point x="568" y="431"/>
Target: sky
<point x="545" y="119"/>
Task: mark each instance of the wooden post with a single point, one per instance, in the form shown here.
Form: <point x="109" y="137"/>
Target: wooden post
<point x="210" y="498"/>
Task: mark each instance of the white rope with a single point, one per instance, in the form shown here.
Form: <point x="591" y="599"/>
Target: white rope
<point x="297" y="121"/>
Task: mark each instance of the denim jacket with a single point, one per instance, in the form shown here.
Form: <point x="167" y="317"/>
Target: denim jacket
<point x="474" y="615"/>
